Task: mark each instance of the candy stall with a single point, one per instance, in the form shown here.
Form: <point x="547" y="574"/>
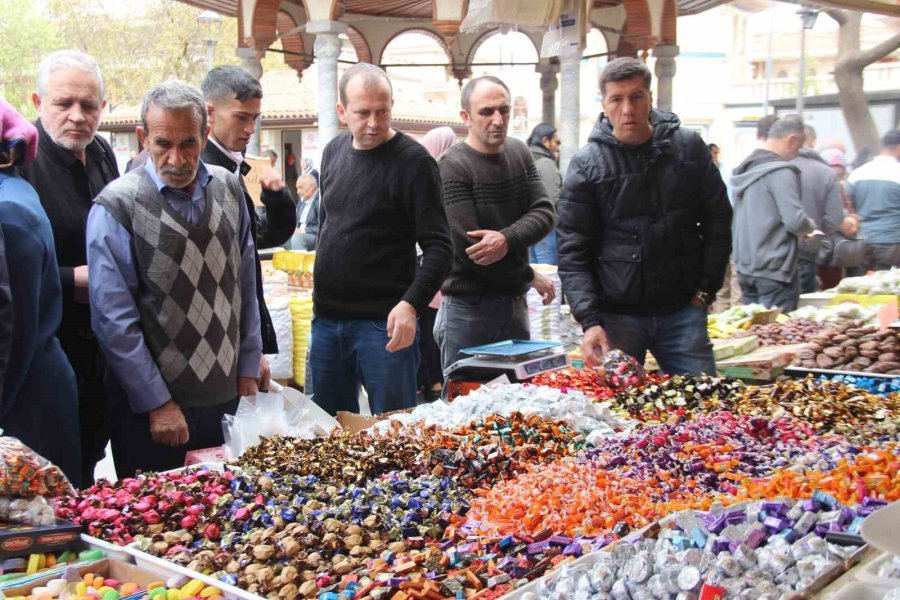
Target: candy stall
<point x="610" y="483"/>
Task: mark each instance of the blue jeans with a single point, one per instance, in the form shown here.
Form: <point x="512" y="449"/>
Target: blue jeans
<point x="466" y="321"/>
<point x="679" y="341"/>
<point x="347" y="353"/>
<point x="769" y="292"/>
<point x="544" y="252"/>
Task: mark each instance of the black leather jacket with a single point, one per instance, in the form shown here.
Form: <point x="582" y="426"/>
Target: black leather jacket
<point x="641" y="228"/>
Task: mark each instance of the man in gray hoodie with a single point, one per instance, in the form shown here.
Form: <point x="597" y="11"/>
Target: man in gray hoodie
<point x="769" y="219"/>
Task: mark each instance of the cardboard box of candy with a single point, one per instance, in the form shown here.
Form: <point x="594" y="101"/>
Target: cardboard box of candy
<point x="20" y="540"/>
<point x="108" y="568"/>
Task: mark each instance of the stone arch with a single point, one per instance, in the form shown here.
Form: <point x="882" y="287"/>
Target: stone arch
<point x="292" y="43"/>
<point x="470" y="57"/>
<point x="424" y="31"/>
<point x="359" y="43"/>
<point x="638" y="27"/>
<point x="263" y="29"/>
<point x="668" y="30"/>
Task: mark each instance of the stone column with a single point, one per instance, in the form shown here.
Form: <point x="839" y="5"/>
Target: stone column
<point x="665" y="73"/>
<point x="250" y="62"/>
<point x="549" y="85"/>
<point x="570" y="119"/>
<point x="327" y="50"/>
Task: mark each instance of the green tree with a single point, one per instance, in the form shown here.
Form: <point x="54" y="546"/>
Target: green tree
<point x="26" y="36"/>
<point x="137" y="43"/>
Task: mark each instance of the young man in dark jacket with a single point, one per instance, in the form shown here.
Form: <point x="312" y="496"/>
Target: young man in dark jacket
<point x="644" y="230"/>
<point x="233" y="99"/>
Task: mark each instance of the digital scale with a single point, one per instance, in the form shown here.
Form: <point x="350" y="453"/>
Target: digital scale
<point x="519" y="360"/>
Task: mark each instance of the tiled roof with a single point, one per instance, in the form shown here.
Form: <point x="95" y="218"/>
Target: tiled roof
<point x="286" y="99"/>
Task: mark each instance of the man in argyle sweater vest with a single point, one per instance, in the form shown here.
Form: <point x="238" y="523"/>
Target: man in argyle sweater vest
<point x="175" y="286"/>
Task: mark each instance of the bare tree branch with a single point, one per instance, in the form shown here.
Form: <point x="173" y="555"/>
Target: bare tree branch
<point x="838" y="15"/>
<point x="876" y="52"/>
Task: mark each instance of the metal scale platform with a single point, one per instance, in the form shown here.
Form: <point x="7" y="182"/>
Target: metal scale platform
<point x="519" y="360"/>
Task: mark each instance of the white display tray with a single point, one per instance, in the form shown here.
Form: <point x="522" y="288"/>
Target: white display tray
<point x="162" y="566"/>
<point x="109" y="550"/>
<point x="869" y="572"/>
<point x="218" y="467"/>
<point x="857" y="590"/>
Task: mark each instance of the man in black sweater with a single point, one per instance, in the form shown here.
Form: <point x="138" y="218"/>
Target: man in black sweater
<point x="73" y="165"/>
<point x="379" y="195"/>
<point x="233" y="100"/>
<point x="497" y="207"/>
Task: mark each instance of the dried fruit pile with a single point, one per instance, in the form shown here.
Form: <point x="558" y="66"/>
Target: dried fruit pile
<point x="853" y="348"/>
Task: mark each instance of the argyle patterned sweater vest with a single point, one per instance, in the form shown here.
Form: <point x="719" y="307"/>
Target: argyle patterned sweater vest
<point x="189" y="296"/>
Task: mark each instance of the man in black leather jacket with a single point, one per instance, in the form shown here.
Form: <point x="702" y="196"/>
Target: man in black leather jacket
<point x="644" y="230"/>
<point x="233" y="98"/>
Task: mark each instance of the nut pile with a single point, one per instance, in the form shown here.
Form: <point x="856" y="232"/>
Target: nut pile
<point x="795" y="331"/>
<point x="854" y="348"/>
<point x="830" y="406"/>
<point x="341" y="457"/>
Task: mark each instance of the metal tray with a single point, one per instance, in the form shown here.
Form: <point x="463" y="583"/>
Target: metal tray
<point x="510" y="349"/>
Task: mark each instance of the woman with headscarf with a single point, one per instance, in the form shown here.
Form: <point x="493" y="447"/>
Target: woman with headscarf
<point x="431" y="378"/>
<point x="39" y="402"/>
<point x="544" y="144"/>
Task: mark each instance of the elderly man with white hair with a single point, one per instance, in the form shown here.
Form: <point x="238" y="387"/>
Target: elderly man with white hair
<point x="73" y="165"/>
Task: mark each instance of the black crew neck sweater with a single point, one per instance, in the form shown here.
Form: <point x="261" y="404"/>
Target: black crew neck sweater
<point x="374" y="206"/>
<point x="499" y="192"/>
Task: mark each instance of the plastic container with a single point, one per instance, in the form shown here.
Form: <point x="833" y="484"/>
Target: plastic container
<point x="858" y="590"/>
<point x="159" y="565"/>
<point x="869" y="572"/>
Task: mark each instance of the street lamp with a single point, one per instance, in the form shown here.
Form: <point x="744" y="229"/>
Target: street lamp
<point x="808" y="19"/>
<point x="210" y="30"/>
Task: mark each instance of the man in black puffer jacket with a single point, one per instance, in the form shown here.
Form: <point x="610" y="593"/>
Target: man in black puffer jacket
<point x="644" y="230"/>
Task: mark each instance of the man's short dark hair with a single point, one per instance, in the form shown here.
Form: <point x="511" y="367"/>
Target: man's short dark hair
<point x="764" y="125"/>
<point x="789" y="125"/>
<point x="891" y="139"/>
<point x="541" y="131"/>
<point x="371" y="75"/>
<point x="712" y="147"/>
<point x="466" y="99"/>
<point x="222" y="84"/>
<point x="623" y="69"/>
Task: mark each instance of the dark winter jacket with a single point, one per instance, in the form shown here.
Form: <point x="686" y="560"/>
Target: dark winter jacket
<point x="641" y="228"/>
<point x="67" y="187"/>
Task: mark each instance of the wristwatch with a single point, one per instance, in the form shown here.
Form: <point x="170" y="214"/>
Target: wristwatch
<point x="703" y="297"/>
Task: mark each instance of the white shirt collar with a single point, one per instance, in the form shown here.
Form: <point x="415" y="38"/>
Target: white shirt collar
<point x="237" y="157"/>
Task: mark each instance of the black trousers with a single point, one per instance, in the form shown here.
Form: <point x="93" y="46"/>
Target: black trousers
<point x="87" y="361"/>
<point x="133" y="448"/>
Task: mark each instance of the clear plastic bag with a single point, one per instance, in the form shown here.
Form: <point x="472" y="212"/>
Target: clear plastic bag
<point x="24" y="473"/>
<point x="22" y="511"/>
<point x="283" y="411"/>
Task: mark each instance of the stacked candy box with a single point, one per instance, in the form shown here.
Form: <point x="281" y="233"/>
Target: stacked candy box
<point x="110" y="579"/>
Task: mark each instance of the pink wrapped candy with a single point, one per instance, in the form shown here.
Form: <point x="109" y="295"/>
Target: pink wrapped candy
<point x="621" y="370"/>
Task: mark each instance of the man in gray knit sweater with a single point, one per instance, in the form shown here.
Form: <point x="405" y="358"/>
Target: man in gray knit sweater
<point x="497" y="206"/>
